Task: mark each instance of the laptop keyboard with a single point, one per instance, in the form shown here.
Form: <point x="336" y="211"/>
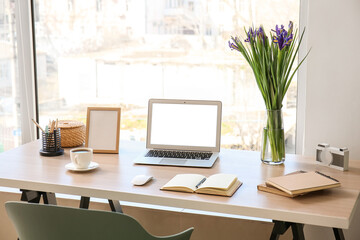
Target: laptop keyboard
<point x="179" y="154"/>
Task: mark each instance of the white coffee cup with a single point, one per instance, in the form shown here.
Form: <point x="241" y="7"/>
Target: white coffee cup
<point x="81" y="157"/>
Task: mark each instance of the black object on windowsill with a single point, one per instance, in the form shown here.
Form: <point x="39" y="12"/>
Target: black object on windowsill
<point x="51" y="144"/>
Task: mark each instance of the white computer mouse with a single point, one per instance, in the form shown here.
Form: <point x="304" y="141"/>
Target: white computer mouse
<point x="139" y="180"/>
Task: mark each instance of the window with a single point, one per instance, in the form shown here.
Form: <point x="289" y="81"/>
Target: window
<point x="10" y="130"/>
<point x="134" y="51"/>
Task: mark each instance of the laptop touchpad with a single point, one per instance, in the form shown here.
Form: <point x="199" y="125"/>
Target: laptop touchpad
<point x="172" y="161"/>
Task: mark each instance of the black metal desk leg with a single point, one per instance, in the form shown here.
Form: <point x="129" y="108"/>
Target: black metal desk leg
<point x="339" y="235"/>
<point x="84" y="202"/>
<point x="115" y="206"/>
<point x="30" y="196"/>
<point x="49" y="198"/>
<point x="35" y="196"/>
<point x="298" y="231"/>
<point x="279" y="228"/>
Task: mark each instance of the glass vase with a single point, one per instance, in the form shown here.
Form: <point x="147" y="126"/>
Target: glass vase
<point x="273" y="140"/>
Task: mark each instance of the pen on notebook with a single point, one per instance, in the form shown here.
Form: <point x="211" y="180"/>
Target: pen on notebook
<point x="201" y="182"/>
<point x="327" y="176"/>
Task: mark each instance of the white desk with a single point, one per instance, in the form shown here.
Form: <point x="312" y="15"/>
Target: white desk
<point x="24" y="168"/>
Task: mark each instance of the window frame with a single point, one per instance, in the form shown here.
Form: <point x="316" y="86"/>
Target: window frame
<point x="26" y="68"/>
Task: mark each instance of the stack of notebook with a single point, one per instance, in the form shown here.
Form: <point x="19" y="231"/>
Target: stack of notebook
<point x="298" y="183"/>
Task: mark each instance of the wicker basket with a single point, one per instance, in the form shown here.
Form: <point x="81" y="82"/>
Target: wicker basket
<point x="72" y="133"/>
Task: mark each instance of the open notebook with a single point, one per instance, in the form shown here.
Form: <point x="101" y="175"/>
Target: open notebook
<point x="217" y="184"/>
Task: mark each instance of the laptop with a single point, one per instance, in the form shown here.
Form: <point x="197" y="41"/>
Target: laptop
<point x="182" y="133"/>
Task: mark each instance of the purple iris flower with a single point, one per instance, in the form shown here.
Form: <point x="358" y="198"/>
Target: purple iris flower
<point x="283" y="38"/>
<point x="250" y="35"/>
<point x="232" y="45"/>
<point x="291" y="26"/>
<point x="260" y="33"/>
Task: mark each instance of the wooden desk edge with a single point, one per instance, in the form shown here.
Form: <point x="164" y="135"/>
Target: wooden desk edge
<point x="318" y="220"/>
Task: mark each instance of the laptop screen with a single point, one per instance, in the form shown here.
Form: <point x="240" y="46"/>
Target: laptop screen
<point x="184" y="124"/>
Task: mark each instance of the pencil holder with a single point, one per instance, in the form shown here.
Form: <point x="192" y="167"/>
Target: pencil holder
<point x="51" y="144"/>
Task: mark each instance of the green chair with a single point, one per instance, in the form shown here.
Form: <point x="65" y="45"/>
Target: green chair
<point x="50" y="222"/>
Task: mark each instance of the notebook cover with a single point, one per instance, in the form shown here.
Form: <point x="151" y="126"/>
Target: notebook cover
<point x="270" y="189"/>
<point x="302" y="183"/>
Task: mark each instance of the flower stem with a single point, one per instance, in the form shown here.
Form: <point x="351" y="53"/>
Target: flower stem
<point x="273" y="137"/>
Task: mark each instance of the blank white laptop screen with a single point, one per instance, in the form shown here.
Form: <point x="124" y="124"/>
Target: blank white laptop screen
<point x="184" y="125"/>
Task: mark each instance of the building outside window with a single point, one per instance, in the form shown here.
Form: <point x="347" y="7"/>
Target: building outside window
<point x="135" y="50"/>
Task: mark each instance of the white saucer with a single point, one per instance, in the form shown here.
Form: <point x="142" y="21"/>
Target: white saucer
<point x="71" y="166"/>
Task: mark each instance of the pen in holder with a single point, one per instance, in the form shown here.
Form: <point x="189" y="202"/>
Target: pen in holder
<point x="51" y="143"/>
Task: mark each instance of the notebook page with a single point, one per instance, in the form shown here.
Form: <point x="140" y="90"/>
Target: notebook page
<point x="184" y="180"/>
<point x="221" y="181"/>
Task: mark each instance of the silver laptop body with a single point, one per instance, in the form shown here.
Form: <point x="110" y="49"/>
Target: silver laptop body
<point x="182" y="133"/>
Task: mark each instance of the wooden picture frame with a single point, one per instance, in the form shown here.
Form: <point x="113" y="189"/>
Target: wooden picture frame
<point x="103" y="129"/>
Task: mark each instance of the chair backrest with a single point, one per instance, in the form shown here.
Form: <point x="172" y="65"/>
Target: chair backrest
<point x="49" y="222"/>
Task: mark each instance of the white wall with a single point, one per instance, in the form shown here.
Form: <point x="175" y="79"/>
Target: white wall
<point x="332" y="88"/>
<point x="330" y="95"/>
